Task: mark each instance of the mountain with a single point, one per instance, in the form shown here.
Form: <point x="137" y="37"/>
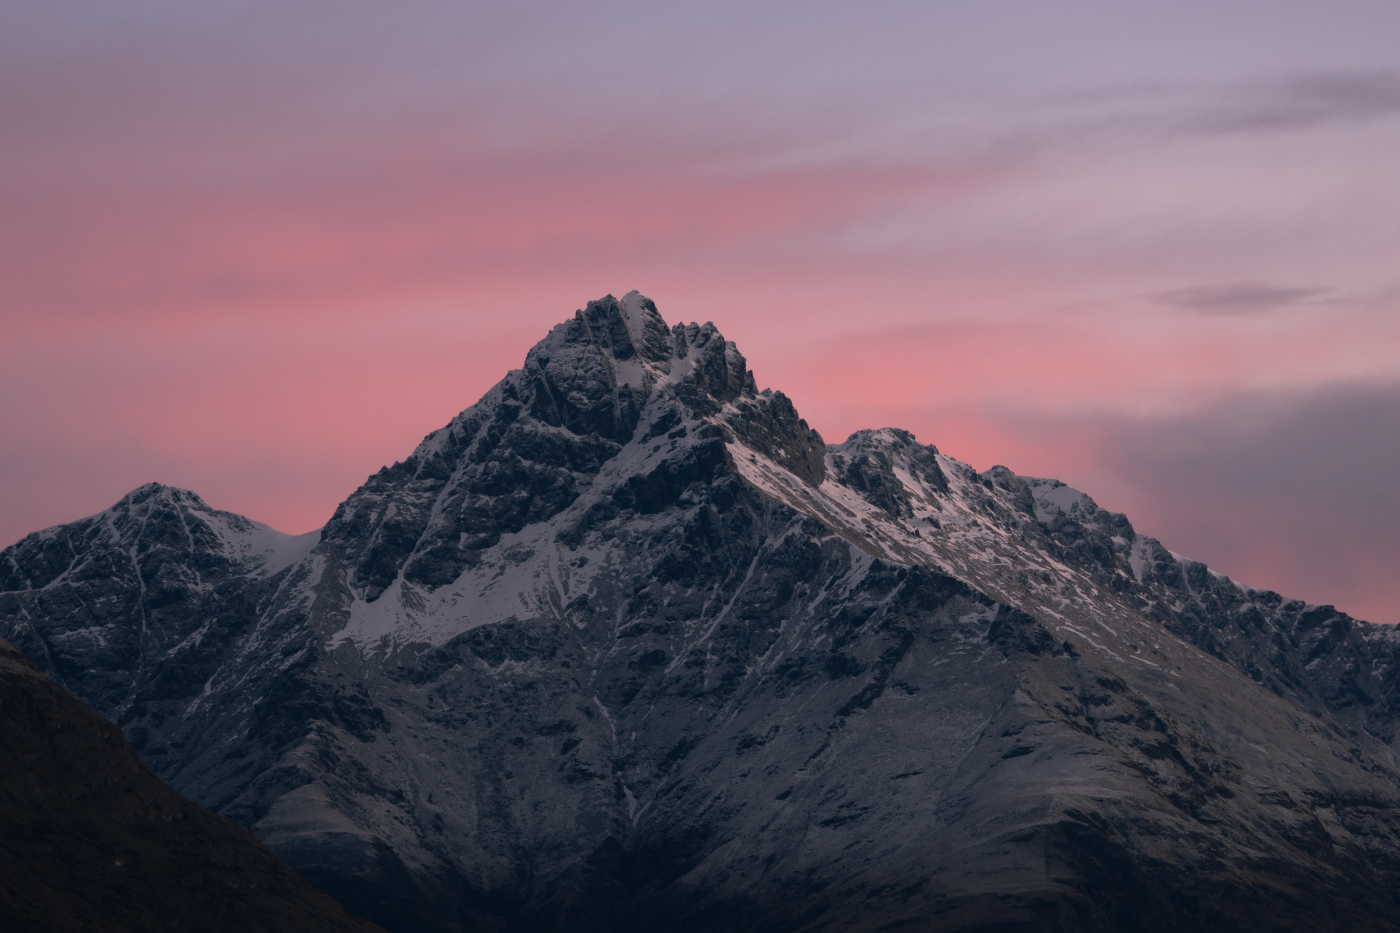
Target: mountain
<point x="627" y="646"/>
<point x="91" y="840"/>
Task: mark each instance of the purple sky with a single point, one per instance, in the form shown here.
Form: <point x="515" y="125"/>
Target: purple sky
<point x="259" y="249"/>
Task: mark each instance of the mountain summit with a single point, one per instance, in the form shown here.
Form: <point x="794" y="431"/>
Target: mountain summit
<point x="627" y="646"/>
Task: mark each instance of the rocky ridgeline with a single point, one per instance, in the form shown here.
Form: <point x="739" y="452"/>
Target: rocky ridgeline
<point x="626" y="645"/>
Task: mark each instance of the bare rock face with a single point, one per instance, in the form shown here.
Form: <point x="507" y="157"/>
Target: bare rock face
<point x="627" y="646"/>
<point x="91" y="840"/>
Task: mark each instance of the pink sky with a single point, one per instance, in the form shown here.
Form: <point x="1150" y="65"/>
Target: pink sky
<point x="260" y="251"/>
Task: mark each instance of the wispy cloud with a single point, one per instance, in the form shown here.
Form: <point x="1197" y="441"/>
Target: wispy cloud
<point x="1302" y="102"/>
<point x="1232" y="299"/>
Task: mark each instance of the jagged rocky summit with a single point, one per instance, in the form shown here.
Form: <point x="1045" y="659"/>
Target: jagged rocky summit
<point x="627" y="646"/>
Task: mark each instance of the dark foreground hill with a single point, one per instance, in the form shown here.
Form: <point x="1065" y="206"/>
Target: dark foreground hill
<point x="90" y="840"/>
<point x="627" y="646"/>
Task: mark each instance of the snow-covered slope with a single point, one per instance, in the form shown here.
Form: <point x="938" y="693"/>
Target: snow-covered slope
<point x="626" y="645"/>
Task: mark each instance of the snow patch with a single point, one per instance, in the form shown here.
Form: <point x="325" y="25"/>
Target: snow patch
<point x="1052" y="497"/>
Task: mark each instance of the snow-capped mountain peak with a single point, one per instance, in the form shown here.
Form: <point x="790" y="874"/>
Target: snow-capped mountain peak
<point x="627" y="643"/>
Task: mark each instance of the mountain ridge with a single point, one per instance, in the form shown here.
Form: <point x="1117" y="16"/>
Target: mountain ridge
<point x="627" y="640"/>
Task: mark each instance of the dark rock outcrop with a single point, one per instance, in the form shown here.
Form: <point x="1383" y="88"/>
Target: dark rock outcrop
<point x="91" y="840"/>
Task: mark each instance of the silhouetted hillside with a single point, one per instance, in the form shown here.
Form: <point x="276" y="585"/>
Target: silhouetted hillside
<point x="90" y="839"/>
